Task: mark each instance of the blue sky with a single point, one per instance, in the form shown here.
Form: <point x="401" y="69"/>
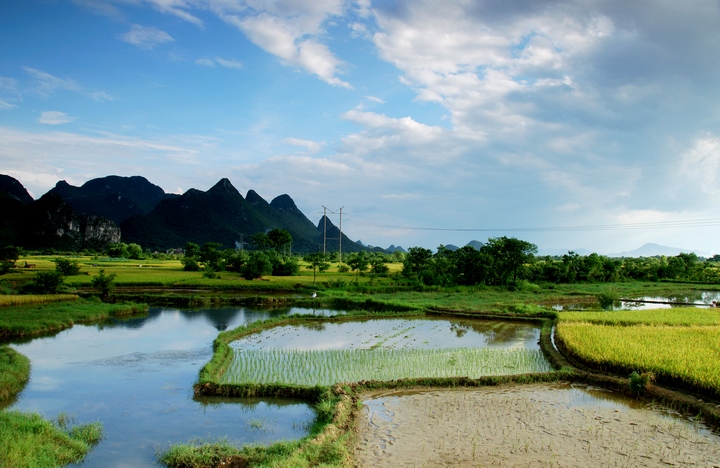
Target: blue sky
<point x="570" y="124"/>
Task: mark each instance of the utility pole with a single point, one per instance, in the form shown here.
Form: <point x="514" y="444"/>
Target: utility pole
<point x="325" y="238"/>
<point x="340" y="240"/>
<point x="324" y="228"/>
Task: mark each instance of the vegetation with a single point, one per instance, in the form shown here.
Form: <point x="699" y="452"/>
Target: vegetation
<point x="31" y="320"/>
<point x="8" y="300"/>
<point x="677" y="350"/>
<point x="14" y="372"/>
<point x="28" y="440"/>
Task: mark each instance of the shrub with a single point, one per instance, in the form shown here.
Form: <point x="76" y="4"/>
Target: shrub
<point x="67" y="267"/>
<point x="46" y="282"/>
<point x="103" y="283"/>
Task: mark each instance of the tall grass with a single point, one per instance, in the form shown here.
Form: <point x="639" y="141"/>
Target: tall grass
<point x="328" y="367"/>
<point x="14" y="372"/>
<point x="31" y="320"/>
<point x="30" y="441"/>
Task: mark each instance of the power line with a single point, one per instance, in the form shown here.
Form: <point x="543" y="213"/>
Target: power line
<point x="690" y="223"/>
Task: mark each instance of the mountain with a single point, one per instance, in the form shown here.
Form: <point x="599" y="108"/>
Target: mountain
<point x="654" y="250"/>
<point x="475" y="244"/>
<point x="13" y="189"/>
<point x="50" y="222"/>
<point x="223" y="215"/>
<point x="113" y="197"/>
<point x="561" y="252"/>
<point x="329" y="235"/>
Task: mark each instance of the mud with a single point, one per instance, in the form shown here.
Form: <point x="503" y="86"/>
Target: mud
<point x="533" y="426"/>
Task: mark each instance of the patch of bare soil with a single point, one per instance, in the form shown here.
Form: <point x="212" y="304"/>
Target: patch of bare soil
<point x="530" y="426"/>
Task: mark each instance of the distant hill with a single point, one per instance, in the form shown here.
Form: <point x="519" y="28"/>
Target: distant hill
<point x="654" y="250"/>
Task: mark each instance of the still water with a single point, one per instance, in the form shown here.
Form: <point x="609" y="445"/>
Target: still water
<point x="135" y="376"/>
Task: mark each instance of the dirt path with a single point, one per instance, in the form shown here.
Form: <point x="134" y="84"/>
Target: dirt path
<point x="530" y="426"/>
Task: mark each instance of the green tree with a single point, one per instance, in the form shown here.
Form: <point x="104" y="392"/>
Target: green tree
<point x="8" y="256"/>
<point x="317" y="263"/>
<point x="261" y="241"/>
<point x="67" y="267"/>
<point x="358" y="261"/>
<point x="509" y="255"/>
<point x="378" y="264"/>
<point x="104" y="284"/>
<point x="257" y="265"/>
<point x="135" y="252"/>
<point x="416" y="260"/>
<point x="119" y="250"/>
<point x="280" y="240"/>
<point x="210" y="256"/>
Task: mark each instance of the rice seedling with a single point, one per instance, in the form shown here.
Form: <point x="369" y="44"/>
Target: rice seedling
<point x="327" y="367"/>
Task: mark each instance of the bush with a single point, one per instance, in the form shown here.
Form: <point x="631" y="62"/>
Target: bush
<point x="104" y="283"/>
<point x="67" y="267"/>
<point x="45" y="282"/>
<point x="640" y="382"/>
<point x="607" y="298"/>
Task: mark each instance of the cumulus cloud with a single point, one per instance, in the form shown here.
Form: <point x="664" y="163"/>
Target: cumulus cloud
<point x="146" y="37"/>
<point x="54" y="118"/>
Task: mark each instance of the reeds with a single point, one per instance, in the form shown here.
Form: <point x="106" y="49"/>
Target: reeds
<point x="327" y="367"/>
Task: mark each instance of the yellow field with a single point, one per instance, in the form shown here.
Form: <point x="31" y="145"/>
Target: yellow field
<point x="34" y="299"/>
<point x="679" y="344"/>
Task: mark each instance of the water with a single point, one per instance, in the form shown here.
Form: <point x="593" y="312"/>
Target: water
<point x="697" y="298"/>
<point x="135" y="376"/>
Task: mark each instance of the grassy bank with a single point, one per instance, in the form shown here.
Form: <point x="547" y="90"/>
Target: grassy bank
<point x="14" y="372"/>
<point x="28" y="440"/>
<point x="30" y="320"/>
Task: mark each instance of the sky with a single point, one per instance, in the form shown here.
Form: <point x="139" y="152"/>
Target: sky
<point x="571" y="124"/>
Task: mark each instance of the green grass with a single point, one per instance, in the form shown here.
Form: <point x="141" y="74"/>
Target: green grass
<point x="45" y="318"/>
<point x="328" y="367"/>
<point x="30" y="441"/>
<point x="14" y="372"/>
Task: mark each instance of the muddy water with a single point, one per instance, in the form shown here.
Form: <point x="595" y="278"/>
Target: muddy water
<point x="537" y="425"/>
<point x="135" y="377"/>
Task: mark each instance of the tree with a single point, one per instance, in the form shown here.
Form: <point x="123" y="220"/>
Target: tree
<point x="318" y="263"/>
<point x="416" y="260"/>
<point x="261" y="241"/>
<point x="280" y="240"/>
<point x="210" y="256"/>
<point x="8" y="256"/>
<point x="67" y="267"/>
<point x="378" y="264"/>
<point x="257" y="265"/>
<point x="358" y="261"/>
<point x="509" y="255"/>
<point x="119" y="250"/>
<point x="105" y="284"/>
<point x="135" y="252"/>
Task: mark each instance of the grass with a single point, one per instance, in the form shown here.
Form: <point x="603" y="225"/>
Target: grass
<point x="29" y="320"/>
<point x="29" y="440"/>
<point x="14" y="372"/>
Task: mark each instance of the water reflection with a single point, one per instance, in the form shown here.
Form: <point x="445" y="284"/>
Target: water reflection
<point x="135" y="376"/>
<point x="425" y="333"/>
<point x="690" y="299"/>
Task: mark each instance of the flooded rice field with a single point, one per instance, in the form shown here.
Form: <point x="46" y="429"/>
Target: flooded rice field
<point x="135" y="376"/>
<point x="535" y="425"/>
<point x="695" y="298"/>
<point x="386" y="349"/>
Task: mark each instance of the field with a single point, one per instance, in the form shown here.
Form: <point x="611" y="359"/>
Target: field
<point x="680" y="346"/>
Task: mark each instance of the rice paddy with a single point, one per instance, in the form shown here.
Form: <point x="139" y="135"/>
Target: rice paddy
<point x="327" y="367"/>
<point x="384" y="350"/>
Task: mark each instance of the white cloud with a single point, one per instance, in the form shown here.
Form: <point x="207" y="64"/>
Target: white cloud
<point x="146" y="37"/>
<point x="6" y="105"/>
<point x="290" y="30"/>
<point x="227" y="63"/>
<point x="309" y="145"/>
<point x="54" y="118"/>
